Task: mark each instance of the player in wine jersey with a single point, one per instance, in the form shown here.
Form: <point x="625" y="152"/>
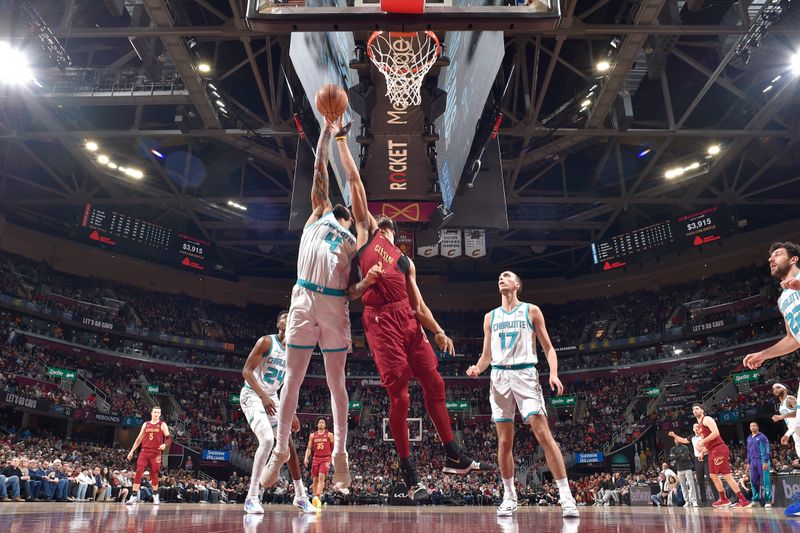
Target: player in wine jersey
<point x="395" y="317"/>
<point x="320" y="444"/>
<point x="787" y="410"/>
<point x="783" y="265"/>
<point x="509" y="347"/>
<point x="719" y="460"/>
<point x="154" y="438"/>
<point x="263" y="373"/>
<point x="319" y="315"/>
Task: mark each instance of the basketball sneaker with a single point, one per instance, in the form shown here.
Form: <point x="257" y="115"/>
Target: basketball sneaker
<point x="793" y="510"/>
<point x="156" y="500"/>
<point x="569" y="508"/>
<point x="341" y="471"/>
<point x="507" y="508"/>
<point x="767" y="505"/>
<point x="252" y="506"/>
<point x="317" y="503"/>
<point x="742" y="503"/>
<point x="304" y="505"/>
<point x="417" y="491"/>
<point x="722" y="502"/>
<point x="133" y="499"/>
<point x="273" y="469"/>
<point x="462" y="464"/>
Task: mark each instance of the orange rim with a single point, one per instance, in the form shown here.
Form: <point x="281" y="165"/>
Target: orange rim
<point x="430" y="34"/>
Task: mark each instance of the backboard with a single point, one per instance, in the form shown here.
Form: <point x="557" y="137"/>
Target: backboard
<point x="284" y="16"/>
<point x="414" y="430"/>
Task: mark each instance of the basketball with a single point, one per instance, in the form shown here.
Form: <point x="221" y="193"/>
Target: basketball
<point x="331" y="101"/>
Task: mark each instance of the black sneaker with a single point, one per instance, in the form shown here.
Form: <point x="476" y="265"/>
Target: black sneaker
<point x="416" y="490"/>
<point x="463" y="465"/>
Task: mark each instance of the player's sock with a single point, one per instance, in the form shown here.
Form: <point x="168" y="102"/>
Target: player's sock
<point x="297" y="360"/>
<point x="563" y="488"/>
<point x="398" y="418"/>
<point x="433" y="391"/>
<point x="334" y="372"/>
<point x="509" y="491"/>
<point x="263" y="432"/>
<point x="299" y="488"/>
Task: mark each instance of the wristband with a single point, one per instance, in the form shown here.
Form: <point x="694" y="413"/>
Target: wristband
<point x="342" y="138"/>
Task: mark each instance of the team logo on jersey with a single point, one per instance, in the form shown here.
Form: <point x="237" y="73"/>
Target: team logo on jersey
<point x="718" y="461"/>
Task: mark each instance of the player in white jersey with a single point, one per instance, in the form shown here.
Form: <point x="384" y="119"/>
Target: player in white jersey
<point x="509" y="346"/>
<point x="319" y="315"/>
<point x="263" y="374"/>
<point x="783" y="265"/>
<point x="788" y="413"/>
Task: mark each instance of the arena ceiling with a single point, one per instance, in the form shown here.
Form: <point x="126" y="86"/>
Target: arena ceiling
<point x="678" y="83"/>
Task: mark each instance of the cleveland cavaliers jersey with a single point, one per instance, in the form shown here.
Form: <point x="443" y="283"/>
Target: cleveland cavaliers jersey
<point x="789" y="304"/>
<point x="272" y="368"/>
<point x="326" y="252"/>
<point x="784" y="410"/>
<point x="512" y="336"/>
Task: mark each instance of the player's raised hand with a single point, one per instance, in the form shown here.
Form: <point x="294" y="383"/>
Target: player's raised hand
<point x="295" y="424"/>
<point x="269" y="405"/>
<point x="754" y="360"/>
<point x="793" y="284"/>
<point x="556" y="385"/>
<point x="445" y="343"/>
<point x="473" y="371"/>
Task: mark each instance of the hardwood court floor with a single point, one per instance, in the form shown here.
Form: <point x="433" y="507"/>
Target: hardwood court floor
<point x="200" y="518"/>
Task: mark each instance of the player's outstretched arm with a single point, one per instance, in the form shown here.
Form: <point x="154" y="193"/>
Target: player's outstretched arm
<point x="678" y="438"/>
<point x="365" y="222"/>
<point x="486" y="354"/>
<point x="785" y="346"/>
<point x="320" y="199"/>
<point x="537" y="319"/>
<point x="261" y="347"/>
<point x="424" y="314"/>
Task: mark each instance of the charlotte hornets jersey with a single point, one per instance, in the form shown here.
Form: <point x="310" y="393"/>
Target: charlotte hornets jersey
<point x="326" y="253"/>
<point x="272" y="368"/>
<point x="512" y="338"/>
<point x="789" y="304"/>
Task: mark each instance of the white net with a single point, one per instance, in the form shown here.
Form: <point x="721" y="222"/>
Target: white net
<point x="403" y="59"/>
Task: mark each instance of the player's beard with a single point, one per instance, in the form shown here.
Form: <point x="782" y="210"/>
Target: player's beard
<point x="782" y="271"/>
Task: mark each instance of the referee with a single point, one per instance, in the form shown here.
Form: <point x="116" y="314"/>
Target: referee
<point x="701" y="463"/>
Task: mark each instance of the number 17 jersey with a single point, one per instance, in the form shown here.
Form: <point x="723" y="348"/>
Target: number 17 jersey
<point x="512" y="338"/>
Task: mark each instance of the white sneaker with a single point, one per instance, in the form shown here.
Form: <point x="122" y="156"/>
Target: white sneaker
<point x="252" y="506"/>
<point x="341" y="471"/>
<point x="304" y="504"/>
<point x="132" y="500"/>
<point x="767" y="505"/>
<point x="507" y="508"/>
<point x="156" y="500"/>
<point x="569" y="509"/>
<point x="273" y="469"/>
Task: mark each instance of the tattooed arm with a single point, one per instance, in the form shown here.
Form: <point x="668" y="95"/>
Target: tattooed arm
<point x="320" y="202"/>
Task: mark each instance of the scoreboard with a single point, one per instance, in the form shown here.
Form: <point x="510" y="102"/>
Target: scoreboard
<point x="685" y="231"/>
<point x="140" y="238"/>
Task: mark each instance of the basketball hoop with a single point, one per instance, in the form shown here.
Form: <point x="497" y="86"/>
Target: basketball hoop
<point x="403" y="58"/>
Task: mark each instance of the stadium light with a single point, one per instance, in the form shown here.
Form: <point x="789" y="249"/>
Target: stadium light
<point x="796" y="63"/>
<point x="134" y="173"/>
<point x="91" y="146"/>
<point x="204" y="68"/>
<point x="102" y="159"/>
<point x="603" y="66"/>
<point x="714" y="149"/>
<point x="586" y="103"/>
<point x="14" y="66"/>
